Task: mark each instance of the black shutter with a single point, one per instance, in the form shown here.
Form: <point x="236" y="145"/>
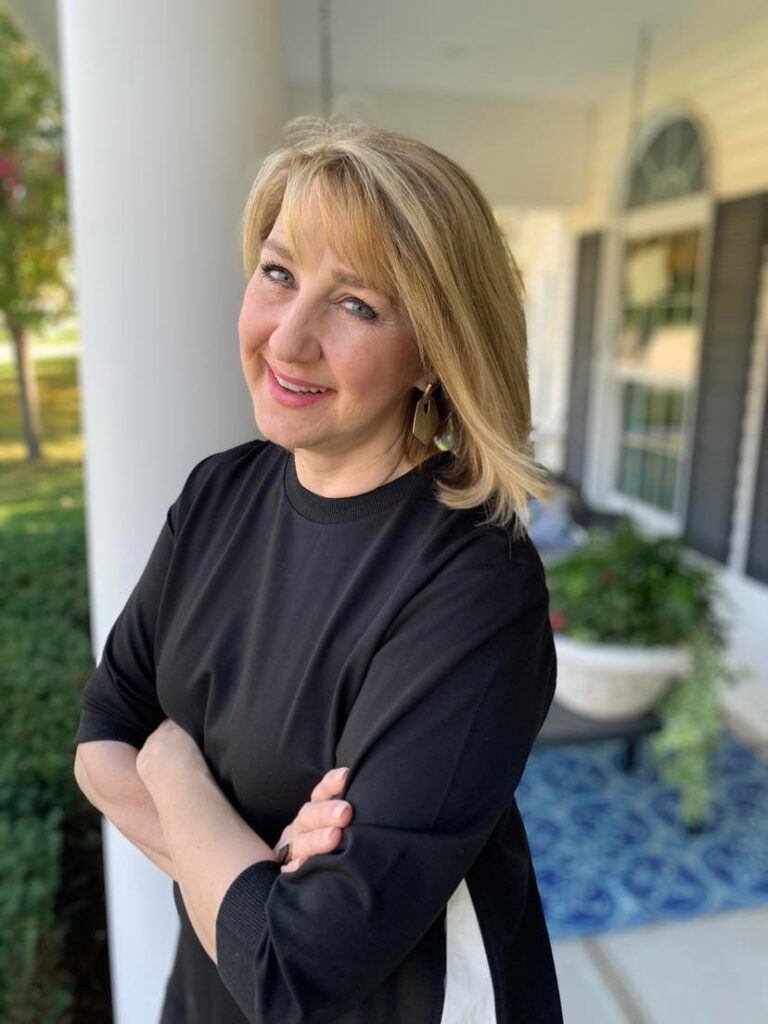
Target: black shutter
<point x="740" y="231"/>
<point x="757" y="551"/>
<point x="581" y="357"/>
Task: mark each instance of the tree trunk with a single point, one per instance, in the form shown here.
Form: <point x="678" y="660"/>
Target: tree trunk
<point x="29" y="401"/>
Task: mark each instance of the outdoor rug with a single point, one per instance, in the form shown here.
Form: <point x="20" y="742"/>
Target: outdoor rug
<point x="608" y="848"/>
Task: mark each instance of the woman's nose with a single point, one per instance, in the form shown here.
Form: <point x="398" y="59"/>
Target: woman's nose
<point x="296" y="336"/>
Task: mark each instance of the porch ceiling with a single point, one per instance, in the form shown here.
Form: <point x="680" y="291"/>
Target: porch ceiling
<point x="574" y="52"/>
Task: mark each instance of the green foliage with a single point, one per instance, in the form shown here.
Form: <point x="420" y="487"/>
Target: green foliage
<point x="45" y="655"/>
<point x="44" y="639"/>
<point x="692" y="726"/>
<point x="33" y="988"/>
<point x="34" y="237"/>
<point x="622" y="588"/>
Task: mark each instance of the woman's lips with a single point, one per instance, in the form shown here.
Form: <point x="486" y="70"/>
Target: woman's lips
<point x="292" y="399"/>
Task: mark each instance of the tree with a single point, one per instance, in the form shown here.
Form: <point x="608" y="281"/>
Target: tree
<point x="34" y="233"/>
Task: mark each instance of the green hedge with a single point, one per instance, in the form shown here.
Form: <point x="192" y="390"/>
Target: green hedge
<point x="45" y="656"/>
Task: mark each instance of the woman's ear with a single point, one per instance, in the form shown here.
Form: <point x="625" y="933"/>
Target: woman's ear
<point x="425" y="380"/>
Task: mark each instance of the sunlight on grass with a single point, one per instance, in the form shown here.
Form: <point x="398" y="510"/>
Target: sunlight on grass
<point x="64" y="331"/>
<point x="46" y="494"/>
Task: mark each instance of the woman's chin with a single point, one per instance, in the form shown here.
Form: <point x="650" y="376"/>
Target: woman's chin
<point x="272" y="430"/>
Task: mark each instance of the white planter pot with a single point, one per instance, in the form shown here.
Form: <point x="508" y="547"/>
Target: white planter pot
<point x="613" y="681"/>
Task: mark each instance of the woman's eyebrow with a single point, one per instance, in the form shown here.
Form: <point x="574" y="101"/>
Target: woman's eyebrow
<point x="342" y="276"/>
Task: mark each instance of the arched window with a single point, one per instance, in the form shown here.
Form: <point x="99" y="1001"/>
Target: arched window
<point x="670" y="167"/>
<point x="654" y="360"/>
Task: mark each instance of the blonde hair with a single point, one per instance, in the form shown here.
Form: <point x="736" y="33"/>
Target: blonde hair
<point x="416" y="227"/>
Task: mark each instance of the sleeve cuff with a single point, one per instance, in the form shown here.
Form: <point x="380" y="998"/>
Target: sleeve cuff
<point x="97" y="726"/>
<point x="240" y="924"/>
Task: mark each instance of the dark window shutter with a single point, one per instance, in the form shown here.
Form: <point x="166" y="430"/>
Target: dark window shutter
<point x="757" y="551"/>
<point x="740" y="230"/>
<point x="581" y="357"/>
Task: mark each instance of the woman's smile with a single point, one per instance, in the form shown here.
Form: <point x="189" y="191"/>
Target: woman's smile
<point x="292" y="399"/>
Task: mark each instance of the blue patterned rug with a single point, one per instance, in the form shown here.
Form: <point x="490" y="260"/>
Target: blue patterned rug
<point x="608" y="848"/>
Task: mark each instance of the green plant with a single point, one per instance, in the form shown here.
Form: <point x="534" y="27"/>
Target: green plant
<point x="691" y="729"/>
<point x="623" y="588"/>
<point x="44" y="650"/>
<point x="45" y="654"/>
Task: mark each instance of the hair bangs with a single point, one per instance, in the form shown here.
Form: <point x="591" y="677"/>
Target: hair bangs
<point x="356" y="228"/>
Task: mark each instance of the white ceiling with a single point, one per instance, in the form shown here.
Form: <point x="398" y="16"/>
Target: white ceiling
<point x="568" y="51"/>
<point x="574" y="51"/>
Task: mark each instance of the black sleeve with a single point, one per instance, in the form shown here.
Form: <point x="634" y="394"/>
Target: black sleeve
<point x="436" y="743"/>
<point x="119" y="700"/>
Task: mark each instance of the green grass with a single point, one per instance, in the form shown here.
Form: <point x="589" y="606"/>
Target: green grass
<point x="64" y="331"/>
<point x="46" y="494"/>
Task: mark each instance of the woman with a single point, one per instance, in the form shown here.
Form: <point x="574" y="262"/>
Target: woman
<point x="348" y="592"/>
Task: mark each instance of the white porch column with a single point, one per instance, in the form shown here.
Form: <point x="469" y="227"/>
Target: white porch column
<point x="170" y="108"/>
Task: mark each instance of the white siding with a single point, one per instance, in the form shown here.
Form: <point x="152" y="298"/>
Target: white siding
<point x="726" y="84"/>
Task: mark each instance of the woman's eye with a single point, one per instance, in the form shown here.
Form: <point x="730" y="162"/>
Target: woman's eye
<point x="267" y="268"/>
<point x="365" y="312"/>
<point x="369" y="313"/>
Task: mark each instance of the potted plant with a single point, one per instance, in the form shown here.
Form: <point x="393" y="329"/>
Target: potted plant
<point x="635" y="629"/>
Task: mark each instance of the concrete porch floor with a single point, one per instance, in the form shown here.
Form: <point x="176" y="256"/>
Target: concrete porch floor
<point x="708" y="970"/>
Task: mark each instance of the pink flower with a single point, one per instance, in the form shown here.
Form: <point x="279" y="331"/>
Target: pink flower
<point x="556" y="619"/>
<point x="9" y="171"/>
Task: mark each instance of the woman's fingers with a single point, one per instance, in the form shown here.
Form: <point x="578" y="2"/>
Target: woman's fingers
<point x="321" y="814"/>
<point x="322" y="797"/>
<point x="293" y="864"/>
<point x="317" y="828"/>
<point x="330" y="785"/>
<point x="319" y="840"/>
<point x="307" y="844"/>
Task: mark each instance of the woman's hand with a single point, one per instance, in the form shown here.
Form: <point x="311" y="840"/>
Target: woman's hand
<point x="316" y="829"/>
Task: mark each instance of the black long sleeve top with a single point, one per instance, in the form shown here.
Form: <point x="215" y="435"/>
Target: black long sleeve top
<point x="290" y="633"/>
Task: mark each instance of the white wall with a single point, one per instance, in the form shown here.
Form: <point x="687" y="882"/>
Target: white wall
<point x="726" y="84"/>
<point x="521" y="152"/>
<point x="543" y="249"/>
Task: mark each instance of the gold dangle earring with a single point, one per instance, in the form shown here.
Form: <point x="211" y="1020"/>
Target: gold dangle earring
<point x="426" y="416"/>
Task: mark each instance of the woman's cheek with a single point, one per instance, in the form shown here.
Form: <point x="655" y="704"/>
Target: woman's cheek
<point x="253" y="326"/>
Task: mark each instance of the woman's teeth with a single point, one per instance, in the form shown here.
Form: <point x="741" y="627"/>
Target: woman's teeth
<point x="295" y="387"/>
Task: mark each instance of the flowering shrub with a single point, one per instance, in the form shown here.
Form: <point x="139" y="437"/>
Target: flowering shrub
<point x="620" y="587"/>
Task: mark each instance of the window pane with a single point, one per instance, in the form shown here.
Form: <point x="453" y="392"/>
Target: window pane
<point x="659" y="291"/>
<point x="671" y="166"/>
<point x="650" y="446"/>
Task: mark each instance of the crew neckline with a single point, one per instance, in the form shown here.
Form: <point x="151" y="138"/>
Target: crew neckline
<point x="322" y="509"/>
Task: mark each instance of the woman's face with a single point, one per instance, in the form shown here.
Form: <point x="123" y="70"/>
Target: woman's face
<point x="304" y="322"/>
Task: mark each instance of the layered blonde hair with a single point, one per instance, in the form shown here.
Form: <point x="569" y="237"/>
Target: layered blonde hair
<point x="415" y="226"/>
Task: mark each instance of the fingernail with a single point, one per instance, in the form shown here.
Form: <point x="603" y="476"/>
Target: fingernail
<point x="338" y="810"/>
<point x="341" y="772"/>
<point x="330" y="832"/>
